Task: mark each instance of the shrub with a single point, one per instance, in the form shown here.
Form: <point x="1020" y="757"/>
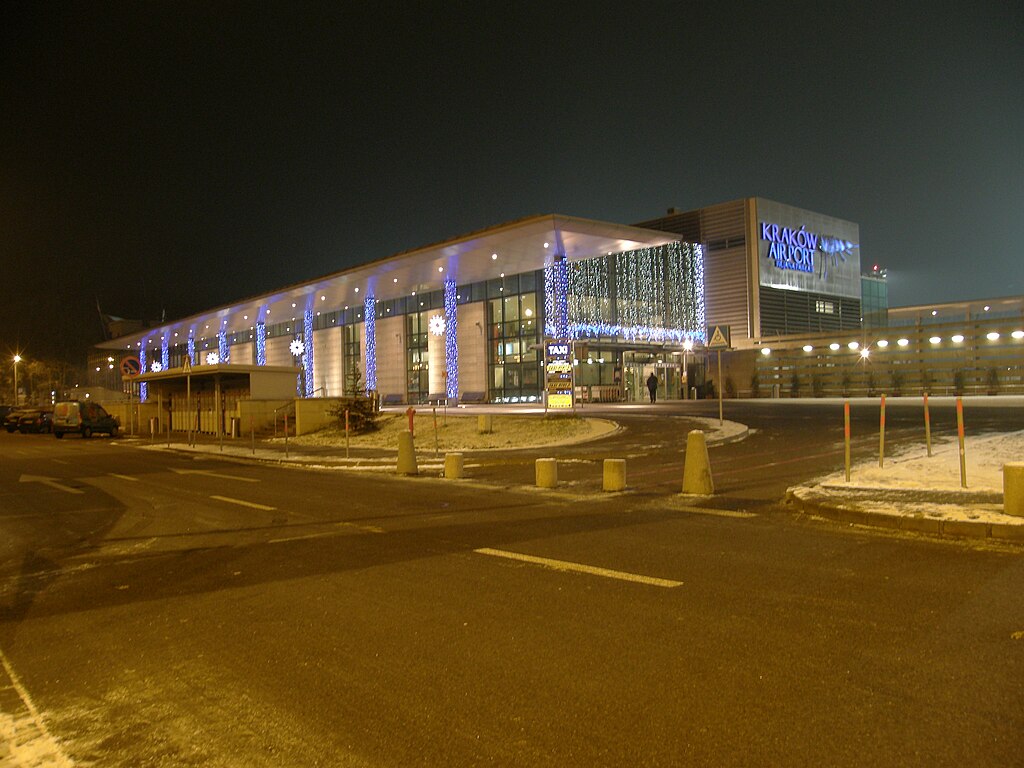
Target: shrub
<point x="362" y="416"/>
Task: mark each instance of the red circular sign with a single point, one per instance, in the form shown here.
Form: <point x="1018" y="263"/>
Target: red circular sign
<point x="130" y="366"/>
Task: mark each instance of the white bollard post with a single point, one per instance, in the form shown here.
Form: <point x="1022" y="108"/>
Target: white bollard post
<point x="406" y="454"/>
<point x="1013" y="488"/>
<point x="697" y="466"/>
<point x="547" y="473"/>
<point x="453" y="466"/>
<point x="614" y="475"/>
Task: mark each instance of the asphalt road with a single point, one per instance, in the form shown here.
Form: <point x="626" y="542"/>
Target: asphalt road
<point x="166" y="609"/>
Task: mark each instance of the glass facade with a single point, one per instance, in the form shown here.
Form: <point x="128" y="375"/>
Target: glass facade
<point x="416" y="363"/>
<point x="514" y="355"/>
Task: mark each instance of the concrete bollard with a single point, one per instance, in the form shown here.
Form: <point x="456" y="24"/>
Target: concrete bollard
<point x="547" y="473"/>
<point x="614" y="474"/>
<point x="1013" y="488"/>
<point x="485" y="424"/>
<point x="453" y="466"/>
<point x="697" y="467"/>
<point x="406" y="454"/>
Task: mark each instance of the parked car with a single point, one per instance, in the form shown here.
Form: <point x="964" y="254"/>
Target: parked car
<point x="12" y="416"/>
<point x="82" y="417"/>
<point x="36" y="420"/>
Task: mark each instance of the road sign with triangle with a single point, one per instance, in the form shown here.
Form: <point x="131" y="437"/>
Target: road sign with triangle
<point x="718" y="337"/>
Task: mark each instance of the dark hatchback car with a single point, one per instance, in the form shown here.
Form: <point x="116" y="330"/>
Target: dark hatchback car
<point x="13" y="416"/>
<point x="85" y="418"/>
<point x="36" y="420"/>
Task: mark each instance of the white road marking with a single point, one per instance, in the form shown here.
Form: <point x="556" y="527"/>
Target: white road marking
<point x="28" y="740"/>
<point x="563" y="565"/>
<point x="715" y="512"/>
<point x="324" y="534"/>
<point x="252" y="504"/>
<point x="124" y="477"/>
<point x="210" y="473"/>
<point x="50" y="481"/>
<point x="60" y="461"/>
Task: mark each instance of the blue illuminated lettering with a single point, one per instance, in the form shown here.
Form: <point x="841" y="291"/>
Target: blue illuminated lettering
<point x="790" y="248"/>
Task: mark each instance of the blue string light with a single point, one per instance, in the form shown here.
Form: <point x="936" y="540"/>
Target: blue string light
<point x="191" y="346"/>
<point x="370" y="323"/>
<point x="143" y="387"/>
<point x="307" y="351"/>
<point x="223" y="350"/>
<point x="165" y="352"/>
<point x="451" y="343"/>
<point x="261" y="343"/>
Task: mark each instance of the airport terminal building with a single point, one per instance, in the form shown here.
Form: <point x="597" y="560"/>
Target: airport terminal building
<point x="467" y="319"/>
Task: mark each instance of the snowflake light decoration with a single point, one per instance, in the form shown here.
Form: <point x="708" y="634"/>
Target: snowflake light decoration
<point x="436" y="325"/>
<point x="156" y="367"/>
<point x="212" y="358"/>
<point x="296" y="347"/>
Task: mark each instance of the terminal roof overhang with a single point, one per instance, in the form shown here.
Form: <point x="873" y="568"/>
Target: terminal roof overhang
<point x="519" y="246"/>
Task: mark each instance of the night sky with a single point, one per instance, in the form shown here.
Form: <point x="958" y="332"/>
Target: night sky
<point x="171" y="157"/>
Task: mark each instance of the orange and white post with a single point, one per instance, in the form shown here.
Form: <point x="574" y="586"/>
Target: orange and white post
<point x="881" y="436"/>
<point x="846" y="435"/>
<point x="927" y="425"/>
<point x="960" y="437"/>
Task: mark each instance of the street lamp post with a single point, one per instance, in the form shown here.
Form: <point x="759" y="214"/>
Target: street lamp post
<point x="17" y="359"/>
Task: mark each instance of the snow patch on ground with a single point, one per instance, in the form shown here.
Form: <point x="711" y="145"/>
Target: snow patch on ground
<point x="913" y="484"/>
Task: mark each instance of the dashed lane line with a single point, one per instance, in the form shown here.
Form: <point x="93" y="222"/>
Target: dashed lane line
<point x="240" y="502"/>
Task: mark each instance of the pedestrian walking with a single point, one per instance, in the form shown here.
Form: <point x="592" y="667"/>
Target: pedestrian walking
<point x="652" y="386"/>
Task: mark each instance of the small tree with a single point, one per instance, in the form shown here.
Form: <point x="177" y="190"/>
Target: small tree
<point x="730" y="387"/>
<point x="817" y="386"/>
<point x="958" y="381"/>
<point x="896" y="382"/>
<point x="992" y="380"/>
<point x="926" y="381"/>
<point x="354" y="381"/>
<point x="844" y="380"/>
<point x="870" y="381"/>
<point x="361" y="414"/>
<point x="755" y="385"/>
<point x="794" y="385"/>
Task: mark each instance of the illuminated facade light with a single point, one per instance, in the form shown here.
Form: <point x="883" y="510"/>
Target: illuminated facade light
<point x="808" y="348"/>
<point x="992" y="336"/>
<point x="883" y="343"/>
<point x="834" y="346"/>
<point x="308" y="363"/>
<point x="902" y="342"/>
<point x="935" y="339"/>
<point x="370" y="328"/>
<point x="1018" y="334"/>
<point x="451" y="340"/>
<point x="854" y="345"/>
<point x="956" y="338"/>
<point x="766" y="351"/>
<point x="865" y="353"/>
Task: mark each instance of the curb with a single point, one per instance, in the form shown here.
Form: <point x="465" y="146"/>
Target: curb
<point x="960" y="529"/>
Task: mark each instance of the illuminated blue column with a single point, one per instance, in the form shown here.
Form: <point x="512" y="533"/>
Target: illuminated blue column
<point x="143" y="386"/>
<point x="370" y="323"/>
<point x="261" y="343"/>
<point x="223" y="350"/>
<point x="191" y="346"/>
<point x="307" y="352"/>
<point x="451" y="341"/>
<point x="165" y="352"/>
<point x="261" y="335"/>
